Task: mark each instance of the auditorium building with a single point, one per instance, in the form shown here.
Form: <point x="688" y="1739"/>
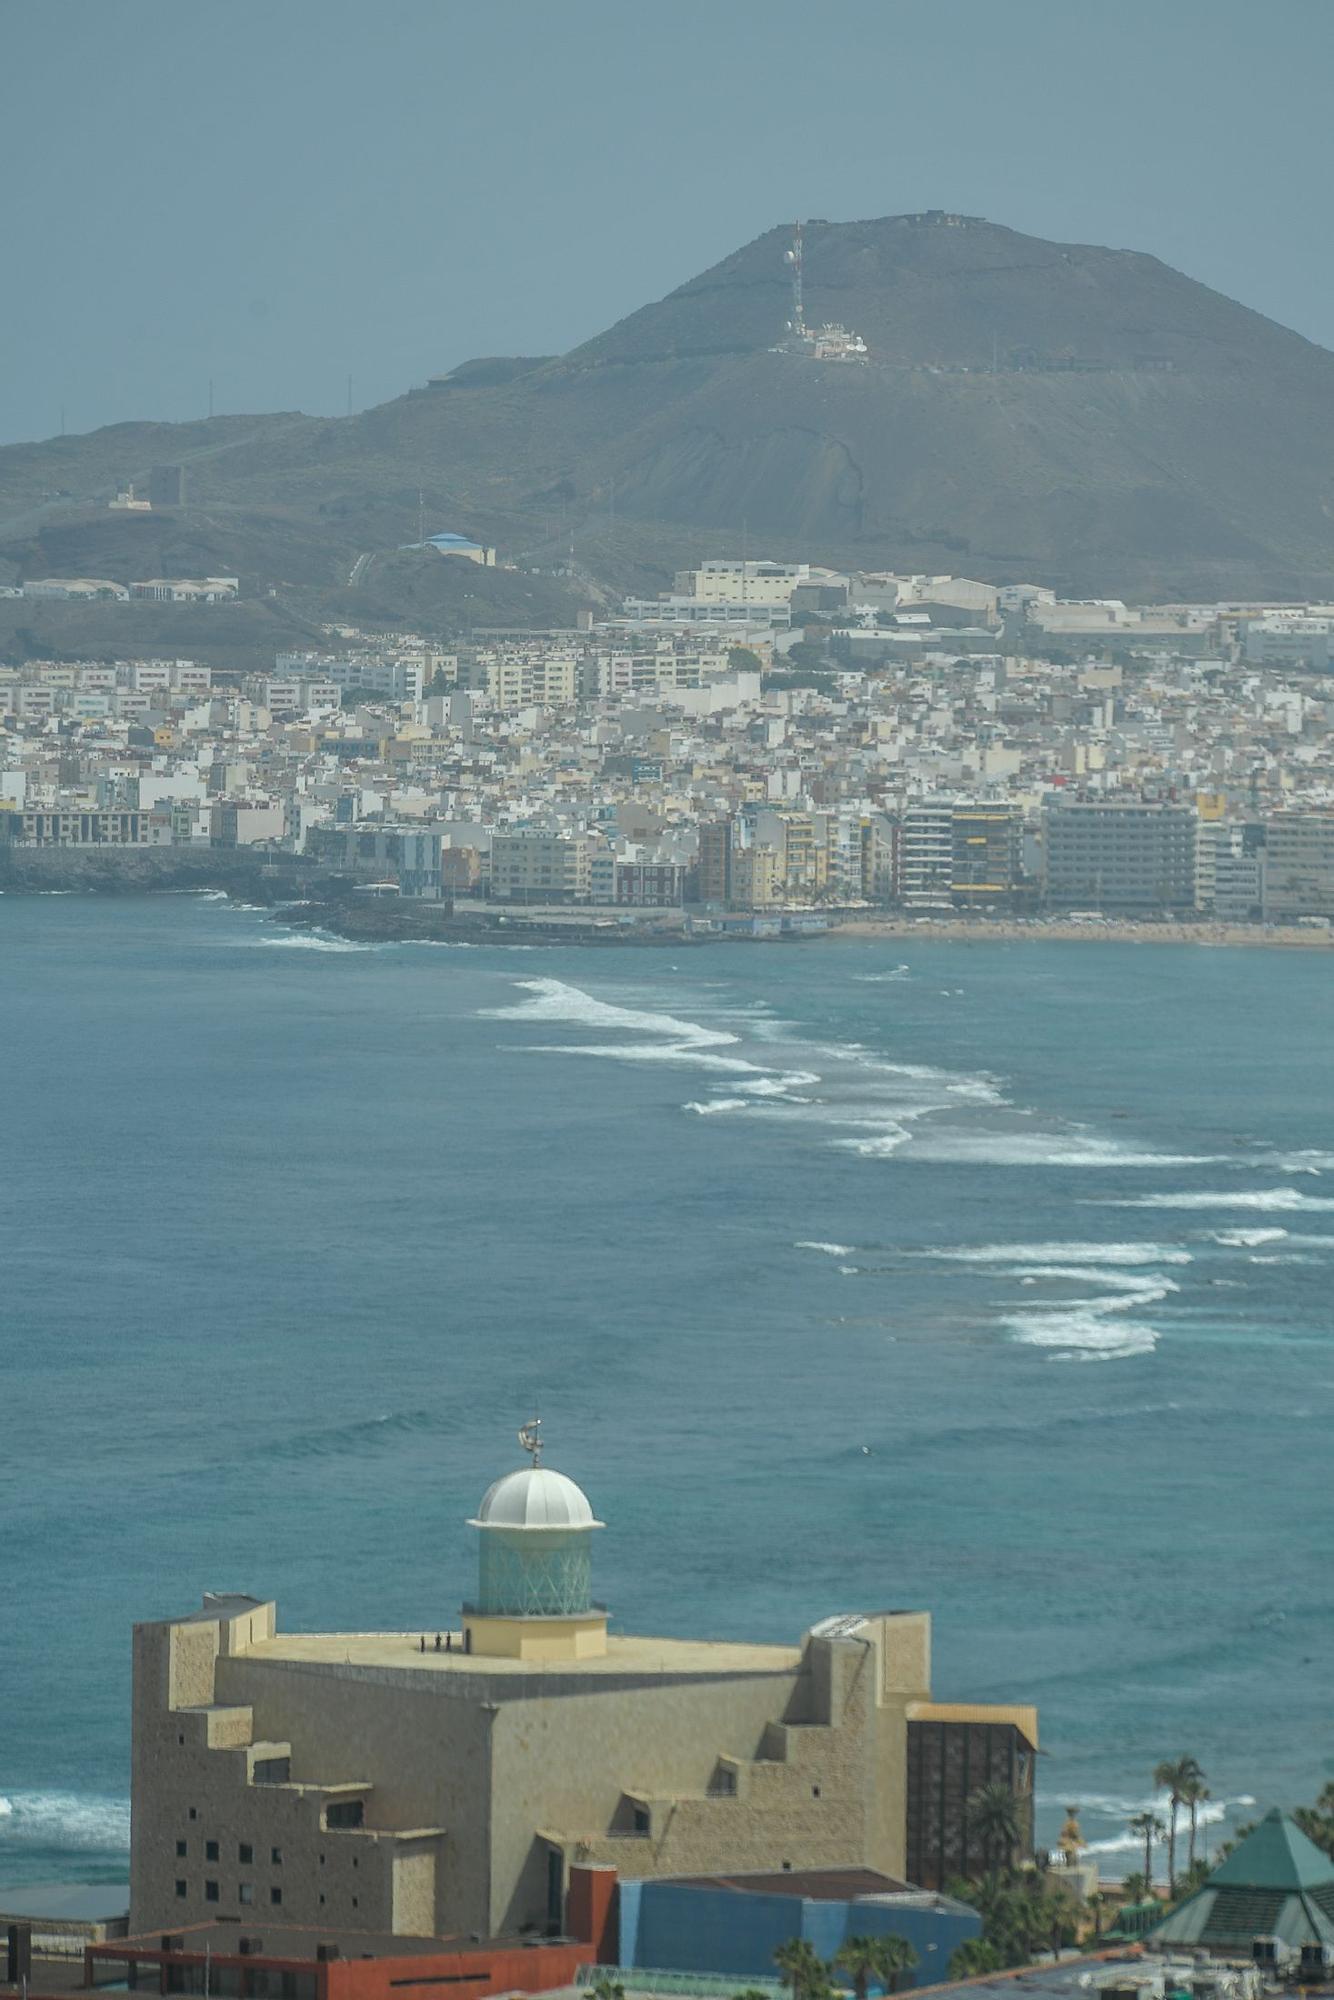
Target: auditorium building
<point x="382" y="1782"/>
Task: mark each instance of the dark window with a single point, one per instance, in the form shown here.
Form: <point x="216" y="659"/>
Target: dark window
<point x="276" y="1856"/>
<point x="245" y="1852"/>
<point x="245" y="1892"/>
<point x="210" y="1850"/>
<point x="347" y="1812"/>
<point x="355" y="1903"/>
<point x="275" y="1895"/>
<point x="180" y="1847"/>
<point x="272" y="1770"/>
<point x="180" y="1888"/>
<point x="180" y="1739"/>
<point x="641" y="1820"/>
<point x="210" y="1892"/>
<point x="194" y="1814"/>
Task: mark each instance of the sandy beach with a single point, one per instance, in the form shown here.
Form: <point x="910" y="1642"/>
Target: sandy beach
<point x="1113" y="930"/>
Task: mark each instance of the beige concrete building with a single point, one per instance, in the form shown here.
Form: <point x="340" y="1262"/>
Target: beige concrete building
<point x="379" y="1781"/>
<point x="535" y="867"/>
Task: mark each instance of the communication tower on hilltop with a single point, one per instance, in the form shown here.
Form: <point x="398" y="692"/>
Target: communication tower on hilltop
<point x="830" y="342"/>
<point x="797" y="324"/>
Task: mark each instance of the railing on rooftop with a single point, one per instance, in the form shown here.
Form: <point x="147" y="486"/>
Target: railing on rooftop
<point x="708" y="1985"/>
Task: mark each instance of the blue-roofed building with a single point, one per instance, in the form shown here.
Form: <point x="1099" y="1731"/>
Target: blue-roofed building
<point x="449" y="544"/>
<point x="733" y="1924"/>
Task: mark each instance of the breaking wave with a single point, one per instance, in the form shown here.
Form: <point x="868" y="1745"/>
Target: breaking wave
<point x="1277" y="1201"/>
<point x="64" y="1820"/>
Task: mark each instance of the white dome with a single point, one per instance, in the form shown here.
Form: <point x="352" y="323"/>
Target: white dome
<point x="536" y="1497"/>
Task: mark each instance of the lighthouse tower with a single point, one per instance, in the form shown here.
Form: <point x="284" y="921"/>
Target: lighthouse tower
<point x="534" y="1571"/>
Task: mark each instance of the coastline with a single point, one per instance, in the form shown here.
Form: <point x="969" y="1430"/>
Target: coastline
<point x="1111" y="930"/>
<point x="294" y="892"/>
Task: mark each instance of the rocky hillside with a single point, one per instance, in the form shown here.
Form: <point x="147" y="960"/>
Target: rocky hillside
<point x="1077" y="415"/>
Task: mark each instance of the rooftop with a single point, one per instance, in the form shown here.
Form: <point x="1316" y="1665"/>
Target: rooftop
<point x="625" y="1654"/>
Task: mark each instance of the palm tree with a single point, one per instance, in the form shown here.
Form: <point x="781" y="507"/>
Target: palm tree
<point x="894" y="1956"/>
<point x="801" y="1967"/>
<point x="1147" y="1826"/>
<point x="1175" y="1775"/>
<point x="993" y="1817"/>
<point x="1194" y="1792"/>
<point x="973" y="1958"/>
<point x="1135" y="1888"/>
<point x="859" y="1957"/>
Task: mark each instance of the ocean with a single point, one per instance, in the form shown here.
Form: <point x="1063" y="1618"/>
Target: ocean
<point x="989" y="1278"/>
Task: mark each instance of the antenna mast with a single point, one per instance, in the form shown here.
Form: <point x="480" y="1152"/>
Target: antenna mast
<point x="798" y="303"/>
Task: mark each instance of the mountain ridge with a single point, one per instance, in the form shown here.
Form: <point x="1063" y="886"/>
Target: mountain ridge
<point x="1078" y="415"/>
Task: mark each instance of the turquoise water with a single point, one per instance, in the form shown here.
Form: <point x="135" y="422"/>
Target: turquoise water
<point x="988" y="1278"/>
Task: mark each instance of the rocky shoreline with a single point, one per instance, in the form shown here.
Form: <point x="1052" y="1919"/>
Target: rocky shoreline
<point x="295" y="893"/>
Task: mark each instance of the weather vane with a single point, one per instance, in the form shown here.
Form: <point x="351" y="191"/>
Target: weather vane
<point x="530" y="1437"/>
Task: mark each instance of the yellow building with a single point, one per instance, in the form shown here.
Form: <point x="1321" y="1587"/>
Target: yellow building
<point x="423" y="1783"/>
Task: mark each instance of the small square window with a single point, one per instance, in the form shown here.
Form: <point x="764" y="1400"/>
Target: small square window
<point x="355" y="1904"/>
<point x="194" y="1813"/>
<point x="181" y="1737"/>
<point x="276" y="1856"/>
<point x="210" y="1892"/>
<point x="321" y="1899"/>
<point x="275" y="1895"/>
<point x="180" y="1849"/>
<point x="210" y="1850"/>
<point x="180" y="1888"/>
<point x="245" y="1892"/>
<point x="245" y="1852"/>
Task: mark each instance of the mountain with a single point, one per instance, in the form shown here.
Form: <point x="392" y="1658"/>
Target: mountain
<point x="1057" y="412"/>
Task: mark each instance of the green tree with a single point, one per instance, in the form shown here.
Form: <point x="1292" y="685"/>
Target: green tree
<point x="1194" y="1794"/>
<point x="1176" y="1775"/>
<point x="1147" y="1826"/>
<point x="859" y="1958"/>
<point x="894" y="1956"/>
<point x="801" y="1967"/>
<point x="972" y="1958"/>
<point x="604" y="1987"/>
<point x="1135" y="1888"/>
<point x="744" y="660"/>
<point x="994" y="1820"/>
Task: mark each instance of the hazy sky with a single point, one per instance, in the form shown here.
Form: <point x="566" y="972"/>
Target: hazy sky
<point x="278" y="194"/>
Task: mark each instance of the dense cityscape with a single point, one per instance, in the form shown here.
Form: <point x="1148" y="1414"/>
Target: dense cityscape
<point x="766" y="738"/>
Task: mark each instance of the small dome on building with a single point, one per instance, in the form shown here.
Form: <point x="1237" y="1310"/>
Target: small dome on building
<point x="536" y="1497"/>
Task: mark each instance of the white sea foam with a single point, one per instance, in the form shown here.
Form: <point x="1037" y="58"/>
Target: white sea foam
<point x="1245" y="1239"/>
<point x="1042" y="1149"/>
<point x="828" y="1249"/>
<point x="880" y="1145"/>
<point x="1136" y="1285"/>
<point x="1083" y="1333"/>
<point x="779" y="1086"/>
<point x="1277" y="1201"/>
<point x="1305" y="1160"/>
<point x="709" y="1106"/>
<point x="893" y="978"/>
<point x="1030" y="1254"/>
<point x="555" y="1000"/>
<point x="64" y="1819"/>
<point x="674" y="1040"/>
<point x="308" y="941"/>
